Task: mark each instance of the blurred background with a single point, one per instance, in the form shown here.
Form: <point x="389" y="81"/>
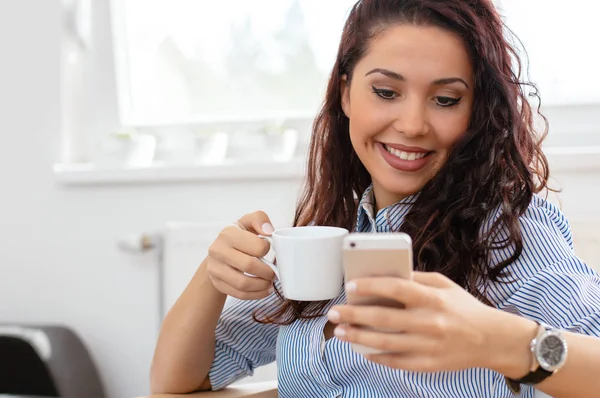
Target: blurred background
<point x="135" y="129"/>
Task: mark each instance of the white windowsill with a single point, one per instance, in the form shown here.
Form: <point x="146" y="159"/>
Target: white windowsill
<point x="576" y="159"/>
<point x="88" y="174"/>
<point x="573" y="159"/>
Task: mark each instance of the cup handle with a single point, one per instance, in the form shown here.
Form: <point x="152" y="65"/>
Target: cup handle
<point x="264" y="260"/>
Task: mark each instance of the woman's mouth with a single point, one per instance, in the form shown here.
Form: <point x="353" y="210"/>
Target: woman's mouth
<point x="413" y="159"/>
<point x="405" y="155"/>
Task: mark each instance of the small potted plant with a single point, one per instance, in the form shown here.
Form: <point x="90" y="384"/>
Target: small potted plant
<point x="281" y="140"/>
<point x="126" y="148"/>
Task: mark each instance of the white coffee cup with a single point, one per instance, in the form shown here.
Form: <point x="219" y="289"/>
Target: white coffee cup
<point x="309" y="261"/>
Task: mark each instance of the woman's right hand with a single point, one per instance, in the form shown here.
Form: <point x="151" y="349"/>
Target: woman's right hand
<point x="235" y="252"/>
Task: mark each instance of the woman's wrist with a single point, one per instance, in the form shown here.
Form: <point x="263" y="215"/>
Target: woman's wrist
<point x="204" y="283"/>
<point x="509" y="341"/>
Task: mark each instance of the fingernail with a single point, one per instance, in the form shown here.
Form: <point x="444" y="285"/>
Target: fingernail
<point x="333" y="315"/>
<point x="351" y="287"/>
<point x="339" y="331"/>
<point x="268" y="228"/>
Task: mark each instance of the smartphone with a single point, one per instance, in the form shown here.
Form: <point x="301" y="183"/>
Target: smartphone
<point x="376" y="255"/>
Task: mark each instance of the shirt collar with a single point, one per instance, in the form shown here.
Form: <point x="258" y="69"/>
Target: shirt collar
<point x="386" y="220"/>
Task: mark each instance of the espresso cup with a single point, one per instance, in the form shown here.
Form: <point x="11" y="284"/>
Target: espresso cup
<point x="309" y="261"/>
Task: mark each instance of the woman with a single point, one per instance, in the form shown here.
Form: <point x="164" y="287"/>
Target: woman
<point x="426" y="122"/>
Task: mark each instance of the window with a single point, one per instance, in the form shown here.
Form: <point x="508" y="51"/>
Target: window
<point x="237" y="68"/>
<point x="560" y="40"/>
<point x="195" y="61"/>
<point x="186" y="61"/>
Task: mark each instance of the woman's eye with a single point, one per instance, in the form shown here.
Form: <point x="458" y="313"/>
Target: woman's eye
<point x="383" y="93"/>
<point x="447" y="101"/>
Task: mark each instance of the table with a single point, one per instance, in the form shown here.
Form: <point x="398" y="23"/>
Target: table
<point x="255" y="390"/>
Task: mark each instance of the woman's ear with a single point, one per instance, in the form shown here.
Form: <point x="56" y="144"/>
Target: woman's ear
<point x="345" y="92"/>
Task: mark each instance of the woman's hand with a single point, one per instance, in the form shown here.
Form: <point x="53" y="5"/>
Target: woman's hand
<point x="441" y="328"/>
<point x="234" y="254"/>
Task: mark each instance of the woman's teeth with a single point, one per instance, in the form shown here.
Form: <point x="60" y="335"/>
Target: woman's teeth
<point x="405" y="155"/>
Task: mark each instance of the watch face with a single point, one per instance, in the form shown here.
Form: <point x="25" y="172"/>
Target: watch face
<point x="551" y="351"/>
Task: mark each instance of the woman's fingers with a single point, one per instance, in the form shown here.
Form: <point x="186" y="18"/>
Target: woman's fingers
<point x="229" y="290"/>
<point x="420" y="321"/>
<point x="226" y="254"/>
<point x="376" y="317"/>
<point x="219" y="266"/>
<point x="408" y="292"/>
<point x="233" y="258"/>
<point x="237" y="279"/>
<point x="387" y="342"/>
<point x="244" y="241"/>
<point x="257" y="222"/>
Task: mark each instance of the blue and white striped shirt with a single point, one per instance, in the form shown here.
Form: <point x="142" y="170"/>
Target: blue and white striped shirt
<point x="552" y="286"/>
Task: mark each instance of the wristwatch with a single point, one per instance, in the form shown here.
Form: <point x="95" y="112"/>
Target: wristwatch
<point x="549" y="350"/>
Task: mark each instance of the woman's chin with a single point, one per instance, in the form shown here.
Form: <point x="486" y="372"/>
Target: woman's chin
<point x="392" y="191"/>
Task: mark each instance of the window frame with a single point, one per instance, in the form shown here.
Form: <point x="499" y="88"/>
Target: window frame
<point x="105" y="101"/>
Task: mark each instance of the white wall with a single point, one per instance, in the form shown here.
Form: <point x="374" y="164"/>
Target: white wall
<point x="58" y="256"/>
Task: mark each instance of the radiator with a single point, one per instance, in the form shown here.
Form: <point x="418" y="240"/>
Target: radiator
<point x="185" y="245"/>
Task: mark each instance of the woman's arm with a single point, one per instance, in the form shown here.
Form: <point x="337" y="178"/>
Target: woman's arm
<point x="186" y="348"/>
<point x="186" y="344"/>
<point x="444" y="328"/>
<point x="512" y="357"/>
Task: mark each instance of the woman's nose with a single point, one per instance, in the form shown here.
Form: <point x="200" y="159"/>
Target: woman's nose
<point x="411" y="120"/>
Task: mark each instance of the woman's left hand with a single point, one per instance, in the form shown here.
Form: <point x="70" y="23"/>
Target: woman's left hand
<point x="441" y="328"/>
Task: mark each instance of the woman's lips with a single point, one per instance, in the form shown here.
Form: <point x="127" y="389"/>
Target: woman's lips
<point x="408" y="159"/>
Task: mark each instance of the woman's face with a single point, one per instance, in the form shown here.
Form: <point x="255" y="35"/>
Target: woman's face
<point x="409" y="100"/>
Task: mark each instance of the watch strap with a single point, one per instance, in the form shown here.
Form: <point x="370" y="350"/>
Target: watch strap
<point x="533" y="377"/>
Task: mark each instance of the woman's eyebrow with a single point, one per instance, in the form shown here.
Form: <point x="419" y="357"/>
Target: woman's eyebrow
<point x="398" y="76"/>
<point x="449" y="80"/>
<point x="386" y="72"/>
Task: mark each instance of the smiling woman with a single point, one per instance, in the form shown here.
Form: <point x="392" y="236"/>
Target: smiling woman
<point x="409" y="100"/>
<point x="426" y="129"/>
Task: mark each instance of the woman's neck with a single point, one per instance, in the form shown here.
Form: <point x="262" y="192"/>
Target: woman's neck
<point x="383" y="198"/>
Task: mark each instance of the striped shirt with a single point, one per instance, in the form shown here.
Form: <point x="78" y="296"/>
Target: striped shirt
<point x="552" y="286"/>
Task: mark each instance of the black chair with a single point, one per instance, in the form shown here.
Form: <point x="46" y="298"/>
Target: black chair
<point x="46" y="361"/>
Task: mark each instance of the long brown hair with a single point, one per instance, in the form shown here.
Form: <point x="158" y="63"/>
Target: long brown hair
<point x="498" y="163"/>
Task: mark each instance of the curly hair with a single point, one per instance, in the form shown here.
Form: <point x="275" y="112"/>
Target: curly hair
<point x="497" y="164"/>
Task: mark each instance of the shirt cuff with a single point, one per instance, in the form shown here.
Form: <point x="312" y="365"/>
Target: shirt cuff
<point x="228" y="367"/>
